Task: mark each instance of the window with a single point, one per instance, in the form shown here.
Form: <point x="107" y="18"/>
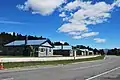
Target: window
<point x="42" y="50"/>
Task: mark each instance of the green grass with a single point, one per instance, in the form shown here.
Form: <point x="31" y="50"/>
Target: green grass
<point x="23" y="64"/>
<point x="117" y="54"/>
<point x="11" y="56"/>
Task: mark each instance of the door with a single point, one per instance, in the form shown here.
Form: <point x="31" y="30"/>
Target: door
<point x="46" y="51"/>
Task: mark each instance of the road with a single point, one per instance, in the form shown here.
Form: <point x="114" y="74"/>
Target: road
<point x="108" y="69"/>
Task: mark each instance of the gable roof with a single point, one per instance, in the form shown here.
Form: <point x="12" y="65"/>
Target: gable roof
<point x="43" y="42"/>
<point x="47" y="44"/>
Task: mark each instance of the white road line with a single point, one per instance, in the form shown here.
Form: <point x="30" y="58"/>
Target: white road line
<point x="90" y="66"/>
<point x="85" y="62"/>
<point x="8" y="79"/>
<point x="103" y="73"/>
<point x="85" y="67"/>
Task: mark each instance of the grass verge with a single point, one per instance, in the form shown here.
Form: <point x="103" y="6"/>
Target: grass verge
<point x="12" y="56"/>
<point x="23" y="64"/>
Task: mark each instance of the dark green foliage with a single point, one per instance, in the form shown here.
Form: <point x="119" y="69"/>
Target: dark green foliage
<point x="114" y="51"/>
<point x="7" y="38"/>
<point x="66" y="43"/>
<point x="82" y="47"/>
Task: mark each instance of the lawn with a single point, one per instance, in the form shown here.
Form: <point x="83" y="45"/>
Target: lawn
<point x="11" y="56"/>
<point x="23" y="64"/>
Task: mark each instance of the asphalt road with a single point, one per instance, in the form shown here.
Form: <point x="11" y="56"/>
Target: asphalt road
<point x="108" y="69"/>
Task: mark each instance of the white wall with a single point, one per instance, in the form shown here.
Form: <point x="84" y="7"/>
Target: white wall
<point x="44" y="53"/>
<point x="50" y="53"/>
<point x="26" y="59"/>
<point x="41" y="53"/>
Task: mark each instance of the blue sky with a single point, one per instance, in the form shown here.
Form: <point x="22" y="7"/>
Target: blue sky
<point x="64" y="22"/>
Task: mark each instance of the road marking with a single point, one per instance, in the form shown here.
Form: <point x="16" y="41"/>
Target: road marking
<point x="8" y="79"/>
<point x="85" y="62"/>
<point x="86" y="67"/>
<point x="103" y="73"/>
<point x="90" y="66"/>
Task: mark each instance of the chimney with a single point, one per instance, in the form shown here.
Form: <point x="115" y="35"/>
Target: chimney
<point x="26" y="38"/>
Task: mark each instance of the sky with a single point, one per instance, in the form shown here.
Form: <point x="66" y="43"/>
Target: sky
<point x="94" y="23"/>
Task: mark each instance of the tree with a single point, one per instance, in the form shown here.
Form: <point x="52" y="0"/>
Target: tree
<point x="89" y="48"/>
<point x="58" y="44"/>
<point x="66" y="43"/>
<point x="32" y="51"/>
<point x="101" y="52"/>
<point x="13" y="34"/>
<point x="95" y="51"/>
<point x="114" y="51"/>
<point x="81" y="47"/>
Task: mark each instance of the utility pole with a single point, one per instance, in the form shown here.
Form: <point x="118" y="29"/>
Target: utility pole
<point x="74" y="52"/>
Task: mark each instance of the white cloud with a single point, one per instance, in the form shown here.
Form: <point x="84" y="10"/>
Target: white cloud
<point x="62" y="14"/>
<point x="92" y="14"/>
<point x="74" y="33"/>
<point x="43" y="7"/>
<point x="90" y="34"/>
<point x="23" y="7"/>
<point x="77" y="37"/>
<point x="99" y="40"/>
<point x="10" y="22"/>
<point x="11" y="33"/>
<point x="70" y="27"/>
<point x="84" y="35"/>
<point x="80" y="14"/>
<point x="72" y="5"/>
<point x="62" y="42"/>
<point x="116" y="3"/>
<point x="85" y="14"/>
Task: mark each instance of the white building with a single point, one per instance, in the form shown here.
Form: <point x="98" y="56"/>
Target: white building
<point x="86" y="52"/>
<point x="71" y="52"/>
<point x="66" y="51"/>
<point x="42" y="47"/>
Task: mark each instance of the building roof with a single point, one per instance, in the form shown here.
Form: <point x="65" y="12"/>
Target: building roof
<point x="84" y="49"/>
<point x="18" y="42"/>
<point x="64" y="47"/>
<point x="43" y="42"/>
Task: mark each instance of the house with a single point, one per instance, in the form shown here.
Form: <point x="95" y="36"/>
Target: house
<point x="83" y="52"/>
<point x="36" y="48"/>
<point x="86" y="52"/>
<point x="65" y="50"/>
<point x="69" y="51"/>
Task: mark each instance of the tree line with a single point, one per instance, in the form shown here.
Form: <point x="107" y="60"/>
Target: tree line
<point x="114" y="51"/>
<point x="8" y="37"/>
